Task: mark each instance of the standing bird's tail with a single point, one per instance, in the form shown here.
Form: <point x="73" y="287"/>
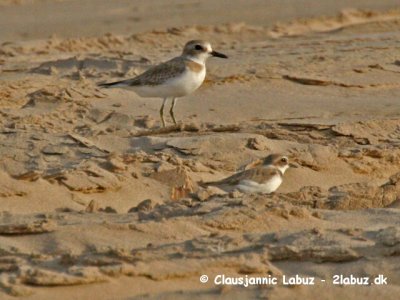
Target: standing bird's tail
<point x="112" y="84"/>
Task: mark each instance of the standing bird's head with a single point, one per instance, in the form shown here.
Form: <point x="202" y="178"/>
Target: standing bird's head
<point x="199" y="51"/>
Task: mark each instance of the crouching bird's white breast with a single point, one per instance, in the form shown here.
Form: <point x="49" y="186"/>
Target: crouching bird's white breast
<point x="267" y="187"/>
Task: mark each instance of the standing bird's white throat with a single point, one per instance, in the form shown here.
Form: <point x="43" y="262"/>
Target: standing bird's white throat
<point x="175" y="78"/>
<point x="262" y="179"/>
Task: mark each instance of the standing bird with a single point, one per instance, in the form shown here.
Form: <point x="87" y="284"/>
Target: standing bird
<point x="175" y="78"/>
<point x="263" y="179"/>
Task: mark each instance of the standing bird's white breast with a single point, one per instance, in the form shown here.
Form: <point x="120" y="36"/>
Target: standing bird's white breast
<point x="186" y="80"/>
<point x="189" y="81"/>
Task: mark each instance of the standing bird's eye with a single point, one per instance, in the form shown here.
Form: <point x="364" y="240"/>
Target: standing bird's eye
<point x="198" y="47"/>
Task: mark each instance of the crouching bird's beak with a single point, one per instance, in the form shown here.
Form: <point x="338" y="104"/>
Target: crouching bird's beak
<point x="292" y="165"/>
<point x="217" y="54"/>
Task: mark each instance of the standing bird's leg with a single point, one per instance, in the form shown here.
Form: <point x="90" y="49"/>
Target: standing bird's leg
<point x="162" y="111"/>
<point x="171" y="111"/>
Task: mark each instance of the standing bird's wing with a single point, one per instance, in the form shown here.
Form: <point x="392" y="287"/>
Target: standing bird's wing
<point x="259" y="175"/>
<point x="154" y="76"/>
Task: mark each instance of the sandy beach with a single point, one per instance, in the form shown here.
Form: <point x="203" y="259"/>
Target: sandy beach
<point x="98" y="201"/>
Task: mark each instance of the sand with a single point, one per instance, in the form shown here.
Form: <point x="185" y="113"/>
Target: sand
<point x="98" y="199"/>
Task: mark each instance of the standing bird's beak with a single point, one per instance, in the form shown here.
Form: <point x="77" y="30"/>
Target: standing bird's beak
<point x="217" y="54"/>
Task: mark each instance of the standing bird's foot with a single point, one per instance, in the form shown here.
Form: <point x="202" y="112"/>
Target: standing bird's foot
<point x="162" y="121"/>
<point x="171" y="111"/>
<point x="173" y="117"/>
<point x="162" y="112"/>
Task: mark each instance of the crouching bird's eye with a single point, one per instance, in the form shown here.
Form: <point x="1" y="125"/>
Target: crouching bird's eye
<point x="198" y="47"/>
